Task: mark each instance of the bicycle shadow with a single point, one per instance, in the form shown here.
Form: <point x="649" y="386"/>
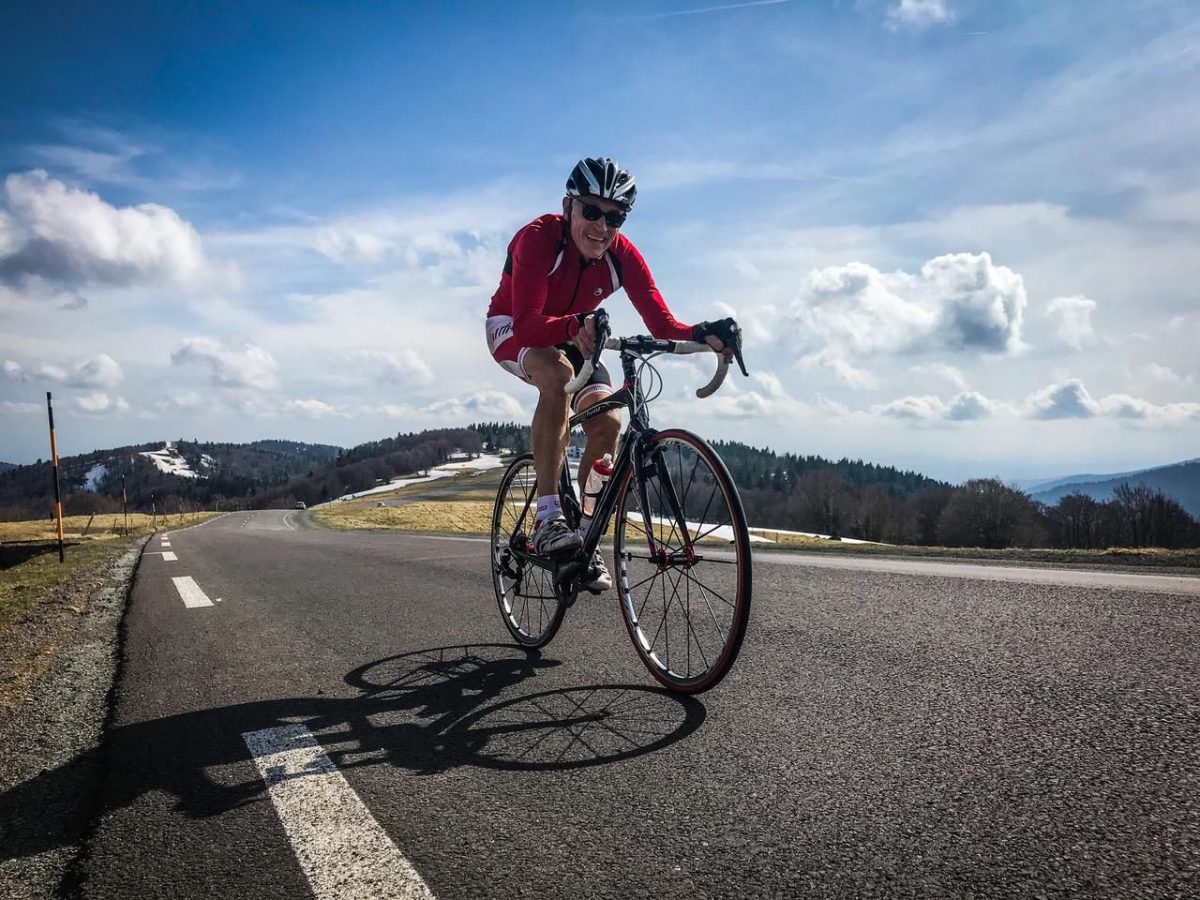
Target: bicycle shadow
<point x="426" y="712"/>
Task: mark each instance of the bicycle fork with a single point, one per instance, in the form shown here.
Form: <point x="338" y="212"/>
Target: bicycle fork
<point x="664" y="558"/>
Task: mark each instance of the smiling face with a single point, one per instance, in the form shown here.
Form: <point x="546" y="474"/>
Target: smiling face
<point x="592" y="238"/>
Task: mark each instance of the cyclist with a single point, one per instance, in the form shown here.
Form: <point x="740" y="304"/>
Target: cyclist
<point x="540" y="328"/>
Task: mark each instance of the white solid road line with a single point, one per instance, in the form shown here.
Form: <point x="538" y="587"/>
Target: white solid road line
<point x="343" y="851"/>
<point x="168" y="556"/>
<point x="190" y="592"/>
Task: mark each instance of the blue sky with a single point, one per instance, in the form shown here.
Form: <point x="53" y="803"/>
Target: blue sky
<point x="961" y="235"/>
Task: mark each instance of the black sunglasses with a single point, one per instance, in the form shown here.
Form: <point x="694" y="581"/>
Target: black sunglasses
<point x="614" y="218"/>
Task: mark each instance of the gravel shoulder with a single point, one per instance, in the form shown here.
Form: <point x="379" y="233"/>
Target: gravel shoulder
<point x="57" y="668"/>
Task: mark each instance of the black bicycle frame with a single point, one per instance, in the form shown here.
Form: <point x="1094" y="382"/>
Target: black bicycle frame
<point x="632" y="454"/>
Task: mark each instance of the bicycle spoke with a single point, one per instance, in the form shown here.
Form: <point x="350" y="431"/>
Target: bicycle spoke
<point x="528" y="603"/>
<point x="688" y="617"/>
<point x="703" y="586"/>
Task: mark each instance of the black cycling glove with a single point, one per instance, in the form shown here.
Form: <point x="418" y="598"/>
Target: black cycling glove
<point x="727" y="331"/>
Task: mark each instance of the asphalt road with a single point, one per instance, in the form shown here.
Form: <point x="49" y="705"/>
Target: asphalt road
<point x="348" y="719"/>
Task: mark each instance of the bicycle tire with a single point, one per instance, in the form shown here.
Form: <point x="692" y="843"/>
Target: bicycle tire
<point x="528" y="604"/>
<point x="686" y="462"/>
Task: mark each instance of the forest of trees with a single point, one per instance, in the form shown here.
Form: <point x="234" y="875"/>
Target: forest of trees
<point x="234" y="474"/>
<point x="373" y="463"/>
<point x="843" y="498"/>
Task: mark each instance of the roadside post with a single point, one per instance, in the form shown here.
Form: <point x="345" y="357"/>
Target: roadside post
<point x="54" y="465"/>
<point x="125" y="504"/>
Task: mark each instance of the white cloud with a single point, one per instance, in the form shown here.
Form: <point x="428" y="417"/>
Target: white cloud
<point x="959" y="301"/>
<point x="971" y="405"/>
<point x="247" y="366"/>
<point x="99" y="402"/>
<point x="920" y="408"/>
<point x="99" y="371"/>
<point x="392" y="367"/>
<point x="743" y="405"/>
<point x="1073" y="319"/>
<point x="312" y="409"/>
<point x="485" y="404"/>
<point x="69" y="237"/>
<point x="17" y="407"/>
<point x="186" y="401"/>
<point x="918" y="13"/>
<point x="1167" y="375"/>
<point x="1122" y="406"/>
<point x="943" y="371"/>
<point x="965" y="406"/>
<point x="1069" y="400"/>
<point x="845" y="371"/>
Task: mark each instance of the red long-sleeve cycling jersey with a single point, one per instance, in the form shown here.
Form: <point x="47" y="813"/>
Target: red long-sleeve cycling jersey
<point x="547" y="283"/>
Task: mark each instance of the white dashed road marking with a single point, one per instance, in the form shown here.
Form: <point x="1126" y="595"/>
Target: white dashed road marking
<point x="168" y="556"/>
<point x="342" y="850"/>
<point x="190" y="592"/>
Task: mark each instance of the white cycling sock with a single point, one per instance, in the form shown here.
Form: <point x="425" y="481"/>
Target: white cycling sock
<point x="549" y="507"/>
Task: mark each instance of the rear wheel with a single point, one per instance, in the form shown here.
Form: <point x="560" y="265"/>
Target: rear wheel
<point x="525" y="592"/>
<point x="684" y="588"/>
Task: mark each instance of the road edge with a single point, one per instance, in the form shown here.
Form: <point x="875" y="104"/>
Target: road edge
<point x="54" y="740"/>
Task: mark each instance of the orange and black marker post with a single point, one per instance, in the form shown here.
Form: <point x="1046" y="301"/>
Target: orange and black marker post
<point x="54" y="464"/>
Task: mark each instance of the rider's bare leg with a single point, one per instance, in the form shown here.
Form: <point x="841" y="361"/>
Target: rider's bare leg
<point x="602" y="431"/>
<point x="549" y="370"/>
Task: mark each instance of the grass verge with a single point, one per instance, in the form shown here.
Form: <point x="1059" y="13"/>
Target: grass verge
<point x="1114" y="556"/>
<point x="89" y="551"/>
<point x="469" y="511"/>
<point x="101" y="527"/>
<point x="455" y="516"/>
<point x="28" y="584"/>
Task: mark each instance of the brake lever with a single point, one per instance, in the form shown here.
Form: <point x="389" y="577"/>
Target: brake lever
<point x="602" y="334"/>
<point x="737" y="349"/>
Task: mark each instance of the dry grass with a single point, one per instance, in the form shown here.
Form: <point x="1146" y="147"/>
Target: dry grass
<point x="456" y="516"/>
<point x="102" y="526"/>
<point x="27" y="584"/>
<point x="1114" y="556"/>
<point x="24" y="586"/>
<point x="463" y="504"/>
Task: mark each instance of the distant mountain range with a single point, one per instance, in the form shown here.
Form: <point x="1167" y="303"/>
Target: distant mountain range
<point x="4" y="467"/>
<point x="1180" y="481"/>
<point x="182" y="472"/>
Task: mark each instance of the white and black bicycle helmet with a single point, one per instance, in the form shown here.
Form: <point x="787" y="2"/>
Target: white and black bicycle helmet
<point x="602" y="178"/>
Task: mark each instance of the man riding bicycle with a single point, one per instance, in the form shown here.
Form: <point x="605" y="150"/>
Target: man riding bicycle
<point x="540" y="328"/>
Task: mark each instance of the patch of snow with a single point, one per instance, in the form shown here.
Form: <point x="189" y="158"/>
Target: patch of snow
<point x="724" y="532"/>
<point x="811" y="534"/>
<point x="169" y="461"/>
<point x="91" y="481"/>
<point x="433" y="475"/>
<point x="487" y="461"/>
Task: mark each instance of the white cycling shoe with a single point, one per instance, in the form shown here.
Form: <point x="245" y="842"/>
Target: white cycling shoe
<point x="553" y="536"/>
<point x="603" y="581"/>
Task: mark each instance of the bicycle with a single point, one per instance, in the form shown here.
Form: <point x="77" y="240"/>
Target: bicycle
<point x="678" y="516"/>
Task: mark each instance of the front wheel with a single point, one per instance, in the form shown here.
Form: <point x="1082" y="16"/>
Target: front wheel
<point x="525" y="592"/>
<point x="683" y="556"/>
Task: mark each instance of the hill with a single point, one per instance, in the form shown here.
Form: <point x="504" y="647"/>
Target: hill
<point x="4" y="467"/>
<point x="846" y="498"/>
<point x="170" y="475"/>
<point x="1180" y="481"/>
